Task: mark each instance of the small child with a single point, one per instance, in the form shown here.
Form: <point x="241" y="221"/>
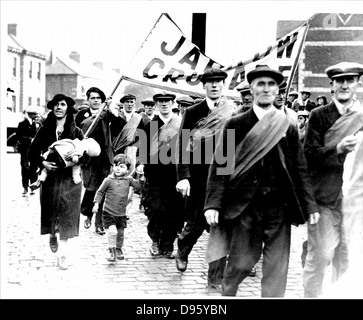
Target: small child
<point x="115" y="188"/>
<point x="66" y="153"/>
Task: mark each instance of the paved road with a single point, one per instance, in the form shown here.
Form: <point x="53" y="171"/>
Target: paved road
<point x="29" y="269"/>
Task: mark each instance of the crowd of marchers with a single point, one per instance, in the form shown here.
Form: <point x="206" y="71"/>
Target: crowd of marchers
<point x="244" y="171"/>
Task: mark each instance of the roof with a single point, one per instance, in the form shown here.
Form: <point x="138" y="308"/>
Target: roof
<point x="69" y="66"/>
<point x="14" y="45"/>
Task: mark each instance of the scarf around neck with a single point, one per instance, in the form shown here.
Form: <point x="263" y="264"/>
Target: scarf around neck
<point x="263" y="136"/>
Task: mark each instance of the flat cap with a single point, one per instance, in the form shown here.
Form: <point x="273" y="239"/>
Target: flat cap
<point x="243" y="88"/>
<point x="213" y="74"/>
<point x="265" y="71"/>
<point x="31" y="109"/>
<point x="148" y="102"/>
<point x="164" y="96"/>
<point x="185" y="100"/>
<point x="344" y="69"/>
<point x="293" y="93"/>
<point x="127" y="97"/>
<point x="97" y="90"/>
<point x="305" y="91"/>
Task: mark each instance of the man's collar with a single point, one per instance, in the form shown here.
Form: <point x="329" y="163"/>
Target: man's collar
<point x="341" y="107"/>
<point x="211" y="103"/>
<point x="260" y="112"/>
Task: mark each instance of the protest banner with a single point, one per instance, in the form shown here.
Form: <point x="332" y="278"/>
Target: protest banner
<point x="167" y="60"/>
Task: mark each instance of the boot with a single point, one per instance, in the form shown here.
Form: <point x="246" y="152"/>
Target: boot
<point x="119" y="254"/>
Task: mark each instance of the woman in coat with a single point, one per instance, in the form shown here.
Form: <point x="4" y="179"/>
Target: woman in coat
<point x="60" y="197"/>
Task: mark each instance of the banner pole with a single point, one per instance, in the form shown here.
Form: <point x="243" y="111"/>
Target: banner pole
<point x="103" y="106"/>
<point x="294" y="68"/>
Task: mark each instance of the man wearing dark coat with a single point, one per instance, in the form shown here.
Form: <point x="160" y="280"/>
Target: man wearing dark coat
<point x="331" y="135"/>
<point x="164" y="203"/>
<point x="25" y="133"/>
<point x="97" y="168"/>
<point x="193" y="170"/>
<point x="252" y="200"/>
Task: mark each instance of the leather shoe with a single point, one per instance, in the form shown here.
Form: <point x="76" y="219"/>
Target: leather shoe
<point x="169" y="255"/>
<point x="181" y="265"/>
<point x="252" y="272"/>
<point x="53" y="243"/>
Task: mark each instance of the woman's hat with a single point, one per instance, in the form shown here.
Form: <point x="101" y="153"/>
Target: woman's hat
<point x="59" y="97"/>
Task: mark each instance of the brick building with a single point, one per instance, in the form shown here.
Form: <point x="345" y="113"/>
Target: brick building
<point x="331" y="38"/>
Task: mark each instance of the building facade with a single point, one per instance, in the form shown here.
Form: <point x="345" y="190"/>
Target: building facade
<point x="331" y="38"/>
<point x="25" y="75"/>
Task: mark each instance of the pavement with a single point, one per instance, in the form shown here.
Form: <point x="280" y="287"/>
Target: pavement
<point x="29" y="268"/>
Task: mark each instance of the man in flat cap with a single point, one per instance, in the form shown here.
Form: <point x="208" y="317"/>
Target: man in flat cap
<point x="279" y="103"/>
<point x="165" y="205"/>
<point x="252" y="204"/>
<point x="306" y="102"/>
<point x="330" y="138"/>
<point x="97" y="168"/>
<point x="184" y="102"/>
<point x="203" y="120"/>
<point x="246" y="96"/>
<point x="149" y="113"/>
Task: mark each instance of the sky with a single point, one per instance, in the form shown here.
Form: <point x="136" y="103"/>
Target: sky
<point x="113" y="31"/>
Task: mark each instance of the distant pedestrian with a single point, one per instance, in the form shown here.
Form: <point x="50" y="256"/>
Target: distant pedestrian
<point x="321" y="101"/>
<point x="115" y="189"/>
<point x="307" y="104"/>
<point x="60" y="197"/>
<point x="302" y="119"/>
<point x="25" y="133"/>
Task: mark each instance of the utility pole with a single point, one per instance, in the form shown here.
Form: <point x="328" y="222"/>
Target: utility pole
<point x="199" y="30"/>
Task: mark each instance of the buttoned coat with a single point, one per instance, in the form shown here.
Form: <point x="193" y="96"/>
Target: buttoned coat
<point x="231" y="198"/>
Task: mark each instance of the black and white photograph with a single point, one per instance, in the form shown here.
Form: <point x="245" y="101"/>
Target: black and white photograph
<point x="181" y="150"/>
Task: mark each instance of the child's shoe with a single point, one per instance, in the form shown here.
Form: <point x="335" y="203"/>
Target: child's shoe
<point x="119" y="254"/>
<point x="112" y="256"/>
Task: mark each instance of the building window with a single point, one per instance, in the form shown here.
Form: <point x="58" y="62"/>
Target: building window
<point x="14" y="66"/>
<point x="29" y="101"/>
<point x="31" y="70"/>
<point x="38" y="102"/>
<point x="39" y="70"/>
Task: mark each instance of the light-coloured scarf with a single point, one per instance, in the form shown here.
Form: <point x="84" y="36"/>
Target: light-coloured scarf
<point x="349" y="123"/>
<point x="209" y="126"/>
<point x="165" y="133"/>
<point x="264" y="135"/>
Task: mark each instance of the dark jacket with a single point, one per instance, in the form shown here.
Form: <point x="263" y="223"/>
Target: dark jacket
<point x="60" y="197"/>
<point x="189" y="167"/>
<point x="324" y="164"/>
<point x="25" y="132"/>
<point x="231" y="198"/>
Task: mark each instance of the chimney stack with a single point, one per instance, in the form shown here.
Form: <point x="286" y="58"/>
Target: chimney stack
<point x="74" y="55"/>
<point x="12" y="28"/>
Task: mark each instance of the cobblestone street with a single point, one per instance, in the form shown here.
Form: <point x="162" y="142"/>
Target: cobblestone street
<point x="29" y="270"/>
